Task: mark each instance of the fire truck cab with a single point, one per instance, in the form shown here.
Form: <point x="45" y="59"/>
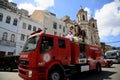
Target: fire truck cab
<point x="50" y="57"/>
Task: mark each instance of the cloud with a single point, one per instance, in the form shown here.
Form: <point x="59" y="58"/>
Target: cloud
<point x="108" y="19"/>
<point x="116" y="31"/>
<point x="39" y="5"/>
<point x="88" y="11"/>
<point x="10" y="0"/>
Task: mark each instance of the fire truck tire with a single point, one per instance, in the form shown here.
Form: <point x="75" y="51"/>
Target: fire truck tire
<point x="55" y="74"/>
<point x="98" y="68"/>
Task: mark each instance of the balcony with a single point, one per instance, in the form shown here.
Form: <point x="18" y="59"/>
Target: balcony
<point x="7" y="43"/>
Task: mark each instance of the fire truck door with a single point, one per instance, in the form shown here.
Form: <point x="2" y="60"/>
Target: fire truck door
<point x="63" y="51"/>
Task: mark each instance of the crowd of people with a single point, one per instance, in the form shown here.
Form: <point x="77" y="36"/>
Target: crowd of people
<point x="74" y="38"/>
<point x="78" y="38"/>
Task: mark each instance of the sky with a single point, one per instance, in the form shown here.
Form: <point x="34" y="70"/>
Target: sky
<point x="107" y="13"/>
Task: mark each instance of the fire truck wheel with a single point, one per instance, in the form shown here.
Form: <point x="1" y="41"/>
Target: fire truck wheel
<point x="55" y="75"/>
<point x="98" y="68"/>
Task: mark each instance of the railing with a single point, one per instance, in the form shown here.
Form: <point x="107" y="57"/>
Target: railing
<point x="7" y="43"/>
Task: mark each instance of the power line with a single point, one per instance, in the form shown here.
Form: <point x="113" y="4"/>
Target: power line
<point x="113" y="42"/>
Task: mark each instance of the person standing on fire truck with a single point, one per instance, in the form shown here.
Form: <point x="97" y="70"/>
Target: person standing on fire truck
<point x="70" y="36"/>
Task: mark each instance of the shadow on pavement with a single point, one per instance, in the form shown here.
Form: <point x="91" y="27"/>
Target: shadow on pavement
<point x="14" y="70"/>
<point x="104" y="75"/>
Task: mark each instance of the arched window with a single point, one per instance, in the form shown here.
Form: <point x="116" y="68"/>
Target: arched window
<point x="8" y="18"/>
<point x="93" y="25"/>
<point x="1" y="16"/>
<point x="71" y="27"/>
<point x="5" y="34"/>
<point x="12" y="38"/>
<point x="83" y="17"/>
<point x="15" y="22"/>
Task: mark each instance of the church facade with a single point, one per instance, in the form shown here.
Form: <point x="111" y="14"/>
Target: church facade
<point x="84" y="27"/>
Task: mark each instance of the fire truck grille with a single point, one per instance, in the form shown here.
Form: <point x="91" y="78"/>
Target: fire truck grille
<point x="24" y="62"/>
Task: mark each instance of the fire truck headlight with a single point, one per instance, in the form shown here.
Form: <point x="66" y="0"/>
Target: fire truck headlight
<point x="29" y="73"/>
<point x="46" y="57"/>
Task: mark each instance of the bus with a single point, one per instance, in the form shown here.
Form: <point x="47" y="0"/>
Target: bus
<point x="113" y="55"/>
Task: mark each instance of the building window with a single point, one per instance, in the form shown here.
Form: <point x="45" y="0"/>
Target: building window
<point x="10" y="53"/>
<point x="54" y="25"/>
<point x="59" y="26"/>
<point x="61" y="43"/>
<point x="71" y="28"/>
<point x="93" y="25"/>
<point x="27" y="36"/>
<point x="8" y="19"/>
<point x="29" y="27"/>
<point x="24" y="26"/>
<point x="63" y="29"/>
<point x="34" y="28"/>
<point x="15" y="22"/>
<point x="1" y="16"/>
<point x="22" y="37"/>
<point x="83" y="17"/>
<point x="12" y="38"/>
<point x="5" y="34"/>
<point x="55" y="33"/>
<point x="45" y="30"/>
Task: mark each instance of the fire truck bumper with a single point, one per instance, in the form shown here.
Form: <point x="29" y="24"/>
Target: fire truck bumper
<point x="31" y="74"/>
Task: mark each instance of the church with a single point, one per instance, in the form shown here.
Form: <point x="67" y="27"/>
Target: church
<point x="87" y="28"/>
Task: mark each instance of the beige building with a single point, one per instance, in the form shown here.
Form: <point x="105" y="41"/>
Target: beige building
<point x="52" y="25"/>
<point x="89" y="26"/>
<point x="83" y="26"/>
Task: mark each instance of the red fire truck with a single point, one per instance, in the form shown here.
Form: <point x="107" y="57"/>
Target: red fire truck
<point x="50" y="57"/>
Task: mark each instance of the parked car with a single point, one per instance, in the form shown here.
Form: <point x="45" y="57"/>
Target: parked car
<point x="9" y="62"/>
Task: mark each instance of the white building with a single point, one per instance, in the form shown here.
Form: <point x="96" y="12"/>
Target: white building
<point x="15" y="26"/>
<point x="9" y="23"/>
<point x="26" y="27"/>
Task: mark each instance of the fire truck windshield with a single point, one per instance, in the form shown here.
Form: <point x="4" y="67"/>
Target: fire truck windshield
<point x="31" y="44"/>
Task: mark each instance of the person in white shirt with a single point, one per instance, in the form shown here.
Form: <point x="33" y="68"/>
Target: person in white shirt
<point x="70" y="36"/>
